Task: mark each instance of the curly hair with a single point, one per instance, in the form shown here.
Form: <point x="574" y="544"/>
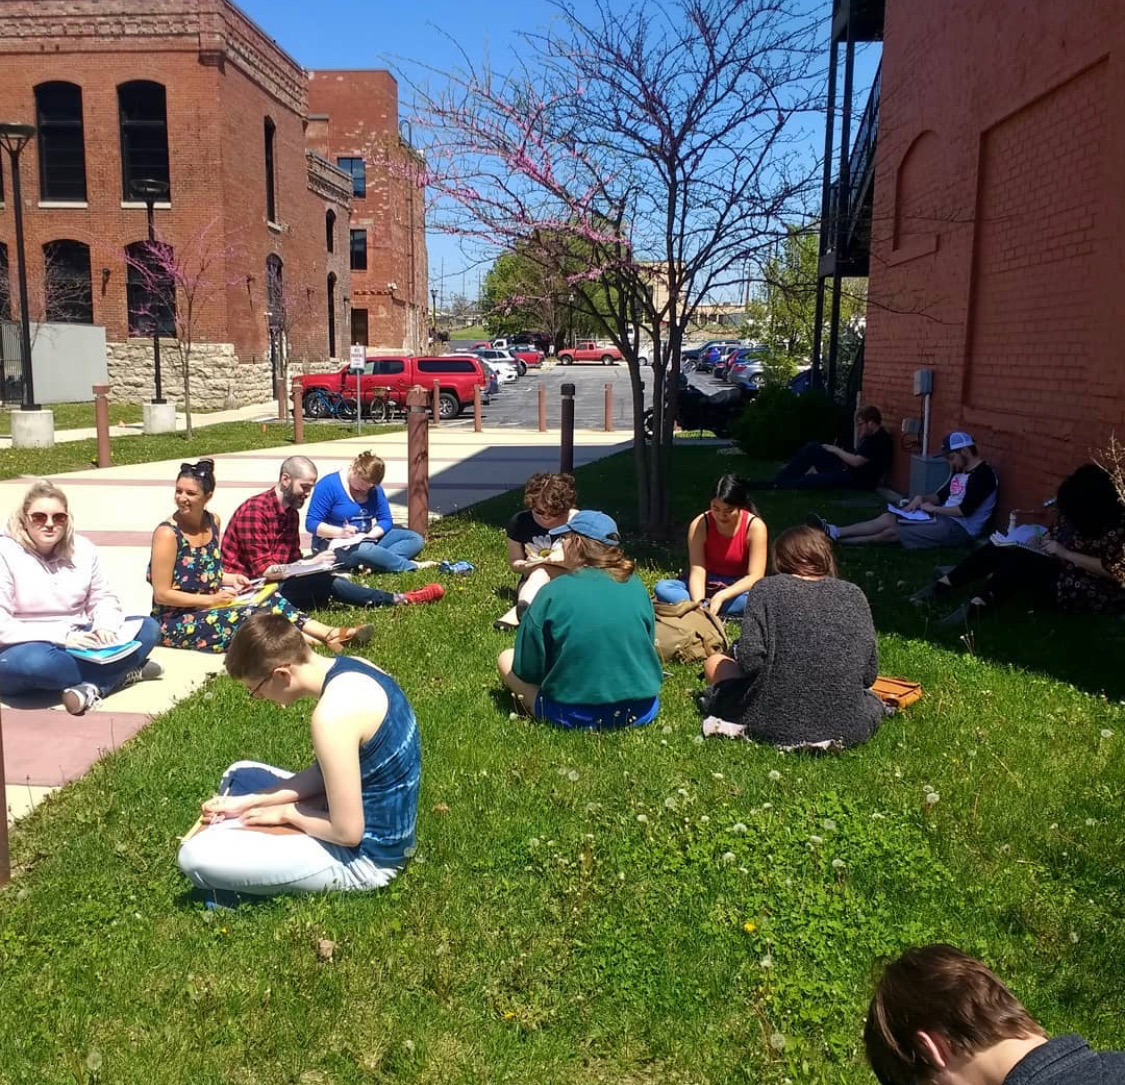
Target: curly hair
<point x="550" y="494"/>
<point x="370" y="468"/>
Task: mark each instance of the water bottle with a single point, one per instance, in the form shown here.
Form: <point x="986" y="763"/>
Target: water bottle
<point x="1011" y="522"/>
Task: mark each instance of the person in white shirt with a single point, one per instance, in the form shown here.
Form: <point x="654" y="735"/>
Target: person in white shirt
<point x="54" y="600"/>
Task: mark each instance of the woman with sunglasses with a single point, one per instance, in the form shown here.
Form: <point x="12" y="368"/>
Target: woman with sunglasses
<point x="54" y="600"/>
<point x="193" y="598"/>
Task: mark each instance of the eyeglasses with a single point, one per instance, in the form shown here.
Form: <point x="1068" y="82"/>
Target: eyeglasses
<point x="255" y="690"/>
<point x="42" y="519"/>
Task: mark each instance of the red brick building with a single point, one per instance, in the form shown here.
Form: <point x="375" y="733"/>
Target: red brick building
<point x="997" y="252"/>
<point x="194" y="94"/>
<point x="354" y="122"/>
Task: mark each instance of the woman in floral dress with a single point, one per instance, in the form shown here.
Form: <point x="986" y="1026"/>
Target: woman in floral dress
<point x="192" y="598"/>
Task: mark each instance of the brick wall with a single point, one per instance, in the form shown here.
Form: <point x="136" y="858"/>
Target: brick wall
<point x="998" y="254"/>
<point x="355" y="114"/>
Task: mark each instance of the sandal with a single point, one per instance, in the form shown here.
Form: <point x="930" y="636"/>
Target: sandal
<point x="343" y="636"/>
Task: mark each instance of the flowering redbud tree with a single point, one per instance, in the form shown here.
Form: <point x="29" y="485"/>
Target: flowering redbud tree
<point x="668" y="144"/>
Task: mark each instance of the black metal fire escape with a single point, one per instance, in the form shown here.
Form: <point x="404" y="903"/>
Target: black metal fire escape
<point x="846" y="201"/>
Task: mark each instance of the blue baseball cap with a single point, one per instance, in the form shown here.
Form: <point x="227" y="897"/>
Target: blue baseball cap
<point x="590" y="525"/>
<point x="956" y="441"/>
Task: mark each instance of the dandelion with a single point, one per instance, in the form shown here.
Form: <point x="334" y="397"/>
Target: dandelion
<point x="927" y="789"/>
<point x="828" y="824"/>
<point x="816" y="840"/>
<point x="682" y="791"/>
<point x="876" y="816"/>
<point x="572" y="776"/>
<point x="728" y="856"/>
<point x="749" y="927"/>
<point x="533" y="842"/>
<point x="670" y="803"/>
<point x="705" y="820"/>
<point x="932" y="798"/>
<point x="1091" y="822"/>
<point x="698" y="740"/>
<point x="1107" y="733"/>
<point x="643" y="818"/>
<point x="666" y="729"/>
<point x="512" y="716"/>
<point x="898" y="774"/>
<point x="775" y="775"/>
<point x="739" y="827"/>
<point x="767" y="806"/>
<point x="593" y="807"/>
<point x="838" y="864"/>
<point x="743" y="870"/>
<point x="1054" y="825"/>
<point x="777" y="1042"/>
<point x="716" y="776"/>
<point x="1074" y="937"/>
<point x="766" y="962"/>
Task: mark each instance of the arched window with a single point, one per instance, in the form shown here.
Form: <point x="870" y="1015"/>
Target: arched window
<point x="144" y="135"/>
<point x="62" y="152"/>
<point x="330" y="231"/>
<point x="332" y="316"/>
<point x="151" y="288"/>
<point x="5" y="285"/>
<point x="67" y="290"/>
<point x="275" y="291"/>
<point x="271" y="187"/>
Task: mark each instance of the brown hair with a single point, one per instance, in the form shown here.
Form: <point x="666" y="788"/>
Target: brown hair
<point x="369" y="467"/>
<point x="870" y="413"/>
<point x="804" y="551"/>
<point x="598" y="555"/>
<point x="939" y="989"/>
<point x="552" y="495"/>
<point x="17" y="521"/>
<point x="263" y="643"/>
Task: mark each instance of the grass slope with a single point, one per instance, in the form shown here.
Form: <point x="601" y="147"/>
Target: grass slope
<point x="633" y="908"/>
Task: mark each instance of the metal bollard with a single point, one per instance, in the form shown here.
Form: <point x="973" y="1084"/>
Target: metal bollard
<point x="566" y="441"/>
<point x="608" y="427"/>
<point x="437" y="402"/>
<point x="279" y="393"/>
<point x="101" y="421"/>
<point x="476" y="410"/>
<point x="418" y="460"/>
<point x="298" y="413"/>
<point x="542" y="408"/>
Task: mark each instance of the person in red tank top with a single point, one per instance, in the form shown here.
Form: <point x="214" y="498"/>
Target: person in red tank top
<point x="727" y="548"/>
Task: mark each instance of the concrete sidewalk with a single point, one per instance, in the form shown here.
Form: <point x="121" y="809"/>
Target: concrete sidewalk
<point x="119" y="507"/>
<point x="254" y="412"/>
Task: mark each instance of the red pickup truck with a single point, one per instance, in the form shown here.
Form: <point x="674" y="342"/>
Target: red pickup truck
<point x="393" y="376"/>
<point x="589" y="351"/>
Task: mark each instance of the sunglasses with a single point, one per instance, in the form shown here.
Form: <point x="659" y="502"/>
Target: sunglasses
<point x="42" y="519"/>
<point x="197" y="470"/>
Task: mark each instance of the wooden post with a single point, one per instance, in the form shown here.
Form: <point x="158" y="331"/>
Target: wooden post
<point x="418" y="460"/>
<point x="542" y="408"/>
<point x="279" y="392"/>
<point x="608" y="427"/>
<point x="437" y="403"/>
<point x="101" y="421"/>
<point x="566" y="440"/>
<point x="476" y="410"/>
<point x="298" y="413"/>
<point x="5" y="860"/>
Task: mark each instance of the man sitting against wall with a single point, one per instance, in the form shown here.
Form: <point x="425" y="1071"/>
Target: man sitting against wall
<point x="828" y="467"/>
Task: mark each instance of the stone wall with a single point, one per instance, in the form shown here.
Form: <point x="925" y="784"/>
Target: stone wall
<point x="219" y="381"/>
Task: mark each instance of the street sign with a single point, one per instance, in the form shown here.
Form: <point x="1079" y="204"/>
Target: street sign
<point x="357" y="358"/>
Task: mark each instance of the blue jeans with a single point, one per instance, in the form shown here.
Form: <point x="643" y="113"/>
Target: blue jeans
<point x="389" y="554"/>
<point x="829" y="471"/>
<point x="318" y="590"/>
<point x="38" y="665"/>
<point x="676" y="591"/>
<point x="597" y="717"/>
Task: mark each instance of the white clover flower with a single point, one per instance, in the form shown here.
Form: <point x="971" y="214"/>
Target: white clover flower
<point x="670" y="803"/>
<point x="743" y="870"/>
<point x="876" y="816"/>
<point x="698" y="740"/>
<point x="816" y="840"/>
<point x="932" y="798"/>
<point x="766" y="962"/>
<point x="728" y="856"/>
<point x="682" y="791"/>
<point x="666" y="729"/>
<point x="1054" y="825"/>
<point x="643" y="818"/>
<point x="572" y="776"/>
<point x="512" y="716"/>
<point x="838" y="864"/>
<point x="739" y="827"/>
<point x="775" y="775"/>
<point x="767" y="806"/>
<point x="705" y="820"/>
<point x="1074" y="937"/>
<point x="533" y="842"/>
<point x="1107" y="733"/>
<point x="593" y="807"/>
<point x="927" y="789"/>
<point x="1091" y="821"/>
<point x="828" y="824"/>
<point x="716" y="776"/>
<point x="777" y="1042"/>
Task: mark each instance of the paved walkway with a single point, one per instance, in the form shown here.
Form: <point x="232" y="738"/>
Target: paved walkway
<point x="118" y="508"/>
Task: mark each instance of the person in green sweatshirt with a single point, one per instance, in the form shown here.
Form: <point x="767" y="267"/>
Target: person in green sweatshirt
<point x="585" y="655"/>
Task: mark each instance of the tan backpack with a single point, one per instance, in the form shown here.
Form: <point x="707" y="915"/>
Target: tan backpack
<point x="688" y="632"/>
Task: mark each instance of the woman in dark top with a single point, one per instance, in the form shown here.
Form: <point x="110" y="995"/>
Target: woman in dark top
<point x="727" y="547"/>
<point x="805" y="662"/>
<point x="1078" y="566"/>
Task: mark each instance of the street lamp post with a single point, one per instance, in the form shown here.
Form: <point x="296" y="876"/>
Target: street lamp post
<point x="13" y="138"/>
<point x="151" y="191"/>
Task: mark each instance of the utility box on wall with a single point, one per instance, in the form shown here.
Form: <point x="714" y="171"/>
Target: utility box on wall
<point x="927" y="473"/>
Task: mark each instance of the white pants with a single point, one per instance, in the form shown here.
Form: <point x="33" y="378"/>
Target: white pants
<point x="229" y="857"/>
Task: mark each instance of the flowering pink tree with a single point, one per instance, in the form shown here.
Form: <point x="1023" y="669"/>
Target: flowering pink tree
<point x="665" y="143"/>
<point x="172" y="286"/>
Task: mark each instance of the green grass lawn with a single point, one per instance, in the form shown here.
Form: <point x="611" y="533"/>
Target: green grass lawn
<point x="628" y="908"/>
<point x="81" y="415"/>
<point x="143" y="448"/>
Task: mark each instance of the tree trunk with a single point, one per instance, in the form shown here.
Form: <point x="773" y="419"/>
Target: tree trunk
<point x="186" y="372"/>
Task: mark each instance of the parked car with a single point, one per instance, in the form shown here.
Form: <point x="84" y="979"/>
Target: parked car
<point x="480" y="344"/>
<point x="457" y="374"/>
<point x="589" y="351"/>
<point x="527" y="353"/>
<point x="503" y="357"/>
<point x="741" y="356"/>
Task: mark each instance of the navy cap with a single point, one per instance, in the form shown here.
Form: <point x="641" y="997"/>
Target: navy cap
<point x="590" y="525"/>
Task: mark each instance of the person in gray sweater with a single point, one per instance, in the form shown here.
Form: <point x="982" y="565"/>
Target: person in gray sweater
<point x="805" y="662"/>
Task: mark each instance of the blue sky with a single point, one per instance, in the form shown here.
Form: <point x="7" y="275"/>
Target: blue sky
<point x="385" y="35"/>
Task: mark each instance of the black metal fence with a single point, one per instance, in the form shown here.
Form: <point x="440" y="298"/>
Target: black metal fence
<point x="11" y="372"/>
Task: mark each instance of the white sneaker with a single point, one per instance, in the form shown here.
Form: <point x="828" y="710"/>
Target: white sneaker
<point x="81" y="698"/>
<point x="151" y="669"/>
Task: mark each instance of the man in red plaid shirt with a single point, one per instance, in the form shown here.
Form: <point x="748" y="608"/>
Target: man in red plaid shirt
<point x="264" y="534"/>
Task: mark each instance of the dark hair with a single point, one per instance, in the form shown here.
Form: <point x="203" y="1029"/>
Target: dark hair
<point x="1088" y="500"/>
<point x="870" y="413"/>
<point x="940" y="989"/>
<point x="600" y="555"/>
<point x="264" y="642"/>
<point x="552" y="494"/>
<point x="804" y="551"/>
<point x="203" y="472"/>
<point x="733" y="490"/>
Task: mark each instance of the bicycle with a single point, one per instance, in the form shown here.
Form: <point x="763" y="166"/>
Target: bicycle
<point x="322" y="403"/>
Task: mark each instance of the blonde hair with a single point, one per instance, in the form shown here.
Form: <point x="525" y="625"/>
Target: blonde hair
<point x="598" y="555"/>
<point x="17" y="521"/>
<point x="370" y="468"/>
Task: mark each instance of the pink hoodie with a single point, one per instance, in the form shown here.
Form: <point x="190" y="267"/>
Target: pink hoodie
<point x="44" y="599"/>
